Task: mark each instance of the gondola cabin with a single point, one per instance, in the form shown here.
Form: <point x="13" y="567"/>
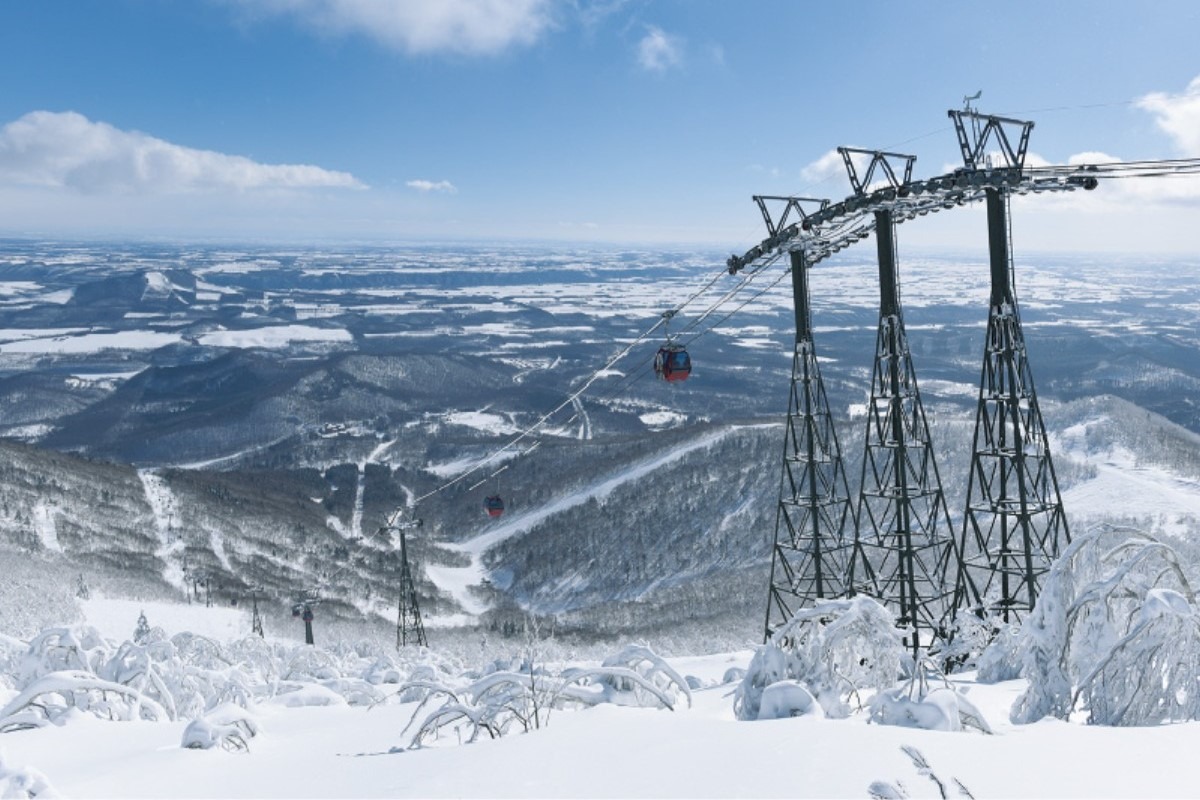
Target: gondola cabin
<point x="493" y="505"/>
<point x="672" y="363"/>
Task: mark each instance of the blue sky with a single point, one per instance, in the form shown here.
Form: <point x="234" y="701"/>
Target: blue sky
<point x="374" y="120"/>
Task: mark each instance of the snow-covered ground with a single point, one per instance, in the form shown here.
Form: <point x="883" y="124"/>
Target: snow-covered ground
<point x="116" y="618"/>
<point x="611" y="751"/>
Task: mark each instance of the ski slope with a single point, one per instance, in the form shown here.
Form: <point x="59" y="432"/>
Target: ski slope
<point x="457" y="581"/>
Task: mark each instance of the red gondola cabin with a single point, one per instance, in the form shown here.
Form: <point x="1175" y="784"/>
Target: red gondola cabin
<point x="672" y="363"/>
<point x="493" y="505"/>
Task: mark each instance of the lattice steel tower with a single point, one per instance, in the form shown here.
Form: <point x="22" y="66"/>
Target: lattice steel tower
<point x="1014" y="523"/>
<point x="409" y="628"/>
<point x="905" y="544"/>
<point x="811" y="552"/>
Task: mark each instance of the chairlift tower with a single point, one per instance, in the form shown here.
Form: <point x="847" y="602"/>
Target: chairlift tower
<point x="904" y="543"/>
<point x="256" y="625"/>
<point x="810" y="555"/>
<point x="303" y="608"/>
<point x="1014" y="525"/>
<point x="409" y="627"/>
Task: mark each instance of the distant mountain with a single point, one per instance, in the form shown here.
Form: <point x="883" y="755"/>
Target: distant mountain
<point x="148" y="290"/>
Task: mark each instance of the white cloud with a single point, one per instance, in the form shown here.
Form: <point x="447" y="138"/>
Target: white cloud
<point x="473" y="27"/>
<point x="659" y="51"/>
<point x="826" y="168"/>
<point x="66" y="149"/>
<point x="432" y="186"/>
<point x="1178" y="115"/>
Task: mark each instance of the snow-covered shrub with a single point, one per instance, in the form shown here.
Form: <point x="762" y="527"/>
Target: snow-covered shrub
<point x="1001" y="659"/>
<point x="300" y="695"/>
<point x="785" y="699"/>
<point x="519" y="695"/>
<point x="52" y="698"/>
<point x="837" y="649"/>
<point x="311" y="664"/>
<point x="355" y="691"/>
<point x="624" y="689"/>
<point x="227" y="726"/>
<point x="384" y="669"/>
<point x="926" y="700"/>
<point x="55" y="649"/>
<point x="881" y="790"/>
<point x="1115" y="632"/>
<point x="971" y="636"/>
<point x="140" y="667"/>
<point x="19" y="783"/>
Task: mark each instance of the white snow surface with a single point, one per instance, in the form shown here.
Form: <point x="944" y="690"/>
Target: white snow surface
<point x="1122" y="486"/>
<point x="92" y="342"/>
<point x="116" y="618"/>
<point x="274" y="336"/>
<point x="340" y="751"/>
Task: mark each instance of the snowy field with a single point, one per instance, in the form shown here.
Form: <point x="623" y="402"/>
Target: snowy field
<point x="314" y="742"/>
<point x="608" y="751"/>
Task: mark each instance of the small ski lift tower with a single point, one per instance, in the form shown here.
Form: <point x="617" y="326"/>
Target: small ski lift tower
<point x="303" y="608"/>
<point x="256" y="625"/>
<point x="409" y="627"/>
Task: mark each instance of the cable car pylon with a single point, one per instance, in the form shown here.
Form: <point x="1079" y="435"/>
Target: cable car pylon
<point x="1014" y="525"/>
<point x="810" y="556"/>
<point x="904" y="543"/>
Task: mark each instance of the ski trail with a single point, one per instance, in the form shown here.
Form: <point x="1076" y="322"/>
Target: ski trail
<point x="360" y="486"/>
<point x="378" y="452"/>
<point x="164" y="508"/>
<point x="457" y="581"/>
<point x="356" y="516"/>
<point x="217" y="542"/>
<point x="43" y="525"/>
<point x="212" y="462"/>
<point x="585" y="422"/>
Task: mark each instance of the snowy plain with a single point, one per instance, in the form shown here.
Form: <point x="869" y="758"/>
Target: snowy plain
<point x="701" y="751"/>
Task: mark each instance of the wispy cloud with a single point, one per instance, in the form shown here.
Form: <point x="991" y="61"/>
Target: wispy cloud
<point x="659" y="51"/>
<point x="471" y="27"/>
<point x="66" y="149"/>
<point x="432" y="186"/>
<point x="1178" y="115"/>
<point x="826" y="168"/>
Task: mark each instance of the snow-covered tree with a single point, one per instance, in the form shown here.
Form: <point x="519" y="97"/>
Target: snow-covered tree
<point x="1115" y="633"/>
<point x="142" y="631"/>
